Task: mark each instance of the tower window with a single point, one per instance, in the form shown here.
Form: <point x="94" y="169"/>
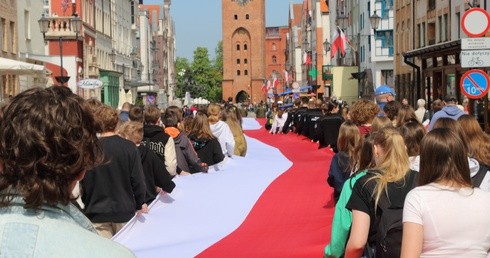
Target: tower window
<point x="238" y="61"/>
<point x="247" y="16"/>
<point x="274" y="47"/>
<point x="245" y="47"/>
<point x="238" y="47"/>
<point x="245" y="72"/>
<point x="238" y="72"/>
<point x="236" y="17"/>
<point x="274" y="59"/>
<point x="245" y="61"/>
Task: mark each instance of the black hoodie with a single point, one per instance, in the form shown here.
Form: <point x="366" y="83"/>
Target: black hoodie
<point x="208" y="150"/>
<point x="155" y="138"/>
<point x="156" y="175"/>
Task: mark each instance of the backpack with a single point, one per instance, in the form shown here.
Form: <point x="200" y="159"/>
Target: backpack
<point x="390" y="228"/>
<point x="478" y="178"/>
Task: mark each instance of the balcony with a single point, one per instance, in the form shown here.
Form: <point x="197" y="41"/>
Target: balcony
<point x="61" y="26"/>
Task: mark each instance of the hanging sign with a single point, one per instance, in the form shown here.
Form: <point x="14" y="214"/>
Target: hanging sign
<point x="474" y="84"/>
<point x="90" y="84"/>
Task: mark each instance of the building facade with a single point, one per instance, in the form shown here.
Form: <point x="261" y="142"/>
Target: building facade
<point x="435" y="55"/>
<point x="30" y="41"/>
<point x="243" y="39"/>
<point x="9" y="44"/>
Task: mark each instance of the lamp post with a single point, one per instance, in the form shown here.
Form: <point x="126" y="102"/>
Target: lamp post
<point x="75" y="24"/>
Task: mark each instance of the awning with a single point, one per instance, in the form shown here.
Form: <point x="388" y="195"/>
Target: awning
<point x="11" y="66"/>
<point x="454" y="45"/>
<point x="135" y="84"/>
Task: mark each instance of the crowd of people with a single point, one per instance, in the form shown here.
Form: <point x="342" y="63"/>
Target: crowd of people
<point x="72" y="167"/>
<point x="406" y="182"/>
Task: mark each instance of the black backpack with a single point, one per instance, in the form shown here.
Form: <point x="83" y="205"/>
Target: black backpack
<point x="390" y="227"/>
<point x="478" y="178"/>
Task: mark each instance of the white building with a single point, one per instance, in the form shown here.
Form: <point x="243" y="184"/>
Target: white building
<point x="31" y="41"/>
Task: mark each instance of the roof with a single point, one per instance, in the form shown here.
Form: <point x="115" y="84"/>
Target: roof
<point x="324" y="6"/>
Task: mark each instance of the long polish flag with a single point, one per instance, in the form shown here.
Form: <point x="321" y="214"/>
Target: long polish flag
<point x="204" y="208"/>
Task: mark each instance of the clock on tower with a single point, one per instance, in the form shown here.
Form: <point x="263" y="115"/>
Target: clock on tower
<point x="242" y="2"/>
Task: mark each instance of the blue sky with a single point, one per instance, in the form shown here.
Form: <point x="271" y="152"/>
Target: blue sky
<point x="198" y="22"/>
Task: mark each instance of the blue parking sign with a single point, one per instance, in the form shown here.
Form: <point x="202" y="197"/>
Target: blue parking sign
<point x="474" y="84"/>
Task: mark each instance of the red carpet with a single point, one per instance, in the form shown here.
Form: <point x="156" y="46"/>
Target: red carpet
<point x="293" y="216"/>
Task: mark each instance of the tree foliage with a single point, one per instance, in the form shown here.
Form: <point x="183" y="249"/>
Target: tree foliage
<point x="203" y="77"/>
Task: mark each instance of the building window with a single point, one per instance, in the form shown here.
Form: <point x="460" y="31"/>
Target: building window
<point x="446" y="26"/>
<point x="245" y="47"/>
<point x="27" y="25"/>
<point x="274" y="59"/>
<point x="440" y="28"/>
<point x="238" y="47"/>
<point x="13" y="38"/>
<point x="247" y="16"/>
<point x="236" y="17"/>
<point x="420" y="34"/>
<point x="3" y="34"/>
<point x="245" y="61"/>
<point x="245" y="72"/>
<point x="238" y="72"/>
<point x="458" y="19"/>
<point x="238" y="61"/>
<point x="274" y="47"/>
<point x="369" y="43"/>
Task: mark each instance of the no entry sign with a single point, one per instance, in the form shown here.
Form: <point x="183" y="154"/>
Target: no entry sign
<point x="474" y="84"/>
<point x="475" y="22"/>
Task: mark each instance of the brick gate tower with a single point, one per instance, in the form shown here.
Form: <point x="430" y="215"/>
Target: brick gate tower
<point x="243" y="49"/>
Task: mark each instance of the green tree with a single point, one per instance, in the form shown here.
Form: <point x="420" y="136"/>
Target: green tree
<point x="202" y="77"/>
<point x="184" y="71"/>
<point x="202" y="71"/>
<point x="216" y="91"/>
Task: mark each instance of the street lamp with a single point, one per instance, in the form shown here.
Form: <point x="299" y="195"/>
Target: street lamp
<point x="326" y="46"/>
<point x="75" y="24"/>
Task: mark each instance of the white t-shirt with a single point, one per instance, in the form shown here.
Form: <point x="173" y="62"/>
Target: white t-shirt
<point x="456" y="222"/>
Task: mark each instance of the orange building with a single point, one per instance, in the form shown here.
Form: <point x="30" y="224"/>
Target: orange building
<point x="243" y="50"/>
<point x="275" y="56"/>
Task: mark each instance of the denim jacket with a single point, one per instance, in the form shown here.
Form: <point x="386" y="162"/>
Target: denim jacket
<point x="53" y="231"/>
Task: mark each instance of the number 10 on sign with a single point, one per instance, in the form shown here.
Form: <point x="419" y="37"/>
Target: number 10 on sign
<point x="475" y="84"/>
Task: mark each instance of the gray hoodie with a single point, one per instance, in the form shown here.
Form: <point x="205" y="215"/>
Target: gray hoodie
<point x="450" y="111"/>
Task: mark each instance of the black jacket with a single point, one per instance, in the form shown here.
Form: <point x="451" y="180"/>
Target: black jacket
<point x="113" y="191"/>
<point x="208" y="150"/>
<point x="156" y="175"/>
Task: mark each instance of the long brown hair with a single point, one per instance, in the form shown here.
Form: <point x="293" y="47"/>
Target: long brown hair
<point x="478" y="140"/>
<point x="350" y="141"/>
<point x="443" y="159"/>
<point x="455" y="127"/>
<point x="200" y="126"/>
<point x="230" y="118"/>
<point x="413" y="132"/>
